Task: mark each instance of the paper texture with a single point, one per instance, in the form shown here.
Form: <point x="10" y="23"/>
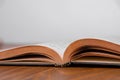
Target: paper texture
<point x="57" y="46"/>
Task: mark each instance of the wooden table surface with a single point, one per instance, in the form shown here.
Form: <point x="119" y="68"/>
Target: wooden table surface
<point x="57" y="73"/>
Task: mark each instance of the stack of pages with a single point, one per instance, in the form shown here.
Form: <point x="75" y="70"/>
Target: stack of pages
<point x="83" y="51"/>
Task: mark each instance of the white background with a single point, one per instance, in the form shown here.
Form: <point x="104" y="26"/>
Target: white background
<point x="33" y="21"/>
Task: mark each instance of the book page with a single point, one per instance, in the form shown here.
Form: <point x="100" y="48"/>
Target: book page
<point x="57" y="46"/>
<point x="60" y="46"/>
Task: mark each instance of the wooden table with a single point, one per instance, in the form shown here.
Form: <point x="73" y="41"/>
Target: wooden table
<point x="57" y="73"/>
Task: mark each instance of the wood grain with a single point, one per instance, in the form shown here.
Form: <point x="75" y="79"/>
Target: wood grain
<point x="19" y="72"/>
<point x="57" y="73"/>
<point x="80" y="74"/>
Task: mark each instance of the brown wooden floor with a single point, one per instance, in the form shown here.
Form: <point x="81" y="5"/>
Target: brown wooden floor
<point x="52" y="73"/>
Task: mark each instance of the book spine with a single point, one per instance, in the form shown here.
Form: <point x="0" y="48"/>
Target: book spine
<point x="63" y="65"/>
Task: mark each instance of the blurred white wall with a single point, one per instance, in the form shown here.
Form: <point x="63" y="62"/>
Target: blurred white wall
<point x="34" y="21"/>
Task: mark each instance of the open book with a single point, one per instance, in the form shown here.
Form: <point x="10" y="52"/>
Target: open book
<point x="83" y="51"/>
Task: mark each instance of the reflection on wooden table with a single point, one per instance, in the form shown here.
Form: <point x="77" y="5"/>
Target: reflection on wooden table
<point x="57" y="73"/>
